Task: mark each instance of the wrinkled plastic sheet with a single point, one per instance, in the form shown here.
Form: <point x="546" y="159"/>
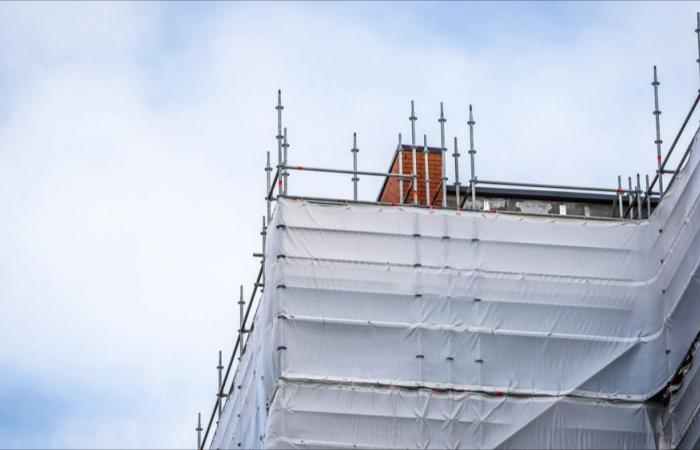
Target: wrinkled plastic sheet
<point x="314" y="415"/>
<point x="580" y="315"/>
<point x="681" y="421"/>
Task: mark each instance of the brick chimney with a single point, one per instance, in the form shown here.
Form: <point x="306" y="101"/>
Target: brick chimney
<point x="390" y="189"/>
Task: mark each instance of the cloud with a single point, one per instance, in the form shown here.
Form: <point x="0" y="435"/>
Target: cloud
<point x="132" y="147"/>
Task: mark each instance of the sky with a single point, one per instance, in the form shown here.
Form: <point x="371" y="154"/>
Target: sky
<point x="132" y="149"/>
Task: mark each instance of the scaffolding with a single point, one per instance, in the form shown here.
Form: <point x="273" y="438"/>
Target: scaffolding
<point x="631" y="203"/>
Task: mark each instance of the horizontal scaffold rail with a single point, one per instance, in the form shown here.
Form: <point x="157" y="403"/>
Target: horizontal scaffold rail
<point x="348" y="172"/>
<point x="553" y="186"/>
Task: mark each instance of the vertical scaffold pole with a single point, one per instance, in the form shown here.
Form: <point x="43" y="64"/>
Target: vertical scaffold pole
<point x="658" y="140"/>
<point x="620" y="203"/>
<point x="268" y="170"/>
<point x="263" y="233"/>
<point x="400" y="171"/>
<point x="427" y="170"/>
<point x="697" y="31"/>
<point x="648" y="197"/>
<point x="638" y="193"/>
<point x="219" y="394"/>
<point x="414" y="171"/>
<point x="199" y="430"/>
<point x="442" y="121"/>
<point x="279" y="137"/>
<point x="630" y="197"/>
<point x="241" y="327"/>
<point x="355" y="179"/>
<point x="472" y="154"/>
<point x="285" y="146"/>
<point x="457" y="185"/>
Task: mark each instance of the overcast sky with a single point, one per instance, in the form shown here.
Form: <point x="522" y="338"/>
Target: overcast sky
<point x="132" y="147"/>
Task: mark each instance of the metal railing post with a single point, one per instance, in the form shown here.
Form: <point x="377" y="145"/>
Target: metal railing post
<point x="697" y="31"/>
<point x="279" y="137"/>
<point x="457" y="185"/>
<point x="647" y="197"/>
<point x="630" y="198"/>
<point x="219" y="393"/>
<point x="620" y="202"/>
<point x="199" y="430"/>
<point x="638" y="193"/>
<point x="285" y="174"/>
<point x="241" y="319"/>
<point x="401" y="180"/>
<point x="658" y="140"/>
<point x="414" y="170"/>
<point x="472" y="154"/>
<point x="427" y="170"/>
<point x="268" y="170"/>
<point x="355" y="179"/>
<point x="442" y="121"/>
<point x="263" y="233"/>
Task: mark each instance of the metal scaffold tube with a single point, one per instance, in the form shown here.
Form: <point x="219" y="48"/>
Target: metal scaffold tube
<point x="241" y="321"/>
<point x="268" y="201"/>
<point x="199" y="430"/>
<point x="647" y="196"/>
<point x="427" y="169"/>
<point x="414" y="171"/>
<point x="279" y="136"/>
<point x="658" y="140"/>
<point x="638" y="193"/>
<point x="219" y="393"/>
<point x="263" y="234"/>
<point x="355" y="179"/>
<point x="457" y="185"/>
<point x="472" y="154"/>
<point x="630" y="197"/>
<point x="697" y="32"/>
<point x="285" y="173"/>
<point x="620" y="202"/>
<point x="348" y="172"/>
<point x="442" y="121"/>
<point x="401" y="180"/>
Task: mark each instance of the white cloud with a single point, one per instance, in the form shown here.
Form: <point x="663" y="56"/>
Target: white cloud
<point x="131" y="177"/>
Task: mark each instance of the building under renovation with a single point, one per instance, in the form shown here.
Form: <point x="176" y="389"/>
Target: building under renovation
<point x="458" y="312"/>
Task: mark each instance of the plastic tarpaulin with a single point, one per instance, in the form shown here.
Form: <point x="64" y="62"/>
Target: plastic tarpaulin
<point x="560" y="319"/>
<point x="336" y="416"/>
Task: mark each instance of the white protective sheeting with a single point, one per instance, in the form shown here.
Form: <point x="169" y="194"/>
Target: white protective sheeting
<point x="306" y="415"/>
<point x="521" y="306"/>
<point x="681" y="424"/>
